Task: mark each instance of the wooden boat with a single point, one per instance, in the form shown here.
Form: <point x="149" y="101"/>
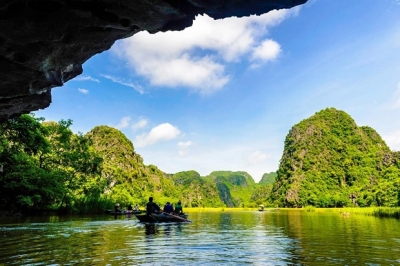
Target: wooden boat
<point x="162" y="218"/>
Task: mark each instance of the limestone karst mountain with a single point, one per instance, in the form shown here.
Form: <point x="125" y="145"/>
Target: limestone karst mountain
<point x="235" y="188"/>
<point x="329" y="161"/>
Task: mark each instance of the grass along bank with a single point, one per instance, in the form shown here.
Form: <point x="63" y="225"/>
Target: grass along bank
<point x="393" y="212"/>
<point x="219" y="209"/>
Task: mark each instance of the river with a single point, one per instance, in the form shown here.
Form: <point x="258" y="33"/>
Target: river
<point x="279" y="237"/>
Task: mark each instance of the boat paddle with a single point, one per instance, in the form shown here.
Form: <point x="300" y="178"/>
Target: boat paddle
<point x="178" y="217"/>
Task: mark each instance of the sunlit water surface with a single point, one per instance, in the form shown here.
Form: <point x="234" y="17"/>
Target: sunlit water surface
<point x="213" y="238"/>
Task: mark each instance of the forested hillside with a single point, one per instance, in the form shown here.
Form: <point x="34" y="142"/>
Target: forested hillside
<point x="235" y="188"/>
<point x="45" y="166"/>
<point x="329" y="161"/>
<point x="128" y="180"/>
<point x="268" y="178"/>
<point x="196" y="191"/>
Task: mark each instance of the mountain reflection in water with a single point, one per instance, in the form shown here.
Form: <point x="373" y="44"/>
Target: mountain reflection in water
<point x="234" y="238"/>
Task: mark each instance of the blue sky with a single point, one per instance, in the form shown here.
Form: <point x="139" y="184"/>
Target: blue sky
<point x="223" y="94"/>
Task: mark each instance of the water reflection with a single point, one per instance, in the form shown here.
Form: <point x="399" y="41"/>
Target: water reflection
<point x="151" y="229"/>
<point x="167" y="230"/>
<point x="260" y="238"/>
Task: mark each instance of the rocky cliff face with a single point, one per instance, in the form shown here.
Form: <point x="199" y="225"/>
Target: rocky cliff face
<point x="329" y="161"/>
<point x="123" y="170"/>
<point x="43" y="43"/>
<point x="235" y="188"/>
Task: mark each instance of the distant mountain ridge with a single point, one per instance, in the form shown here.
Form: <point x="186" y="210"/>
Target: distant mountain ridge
<point x="268" y="178"/>
<point x="130" y="181"/>
<point x="328" y="161"/>
<point x="235" y="188"/>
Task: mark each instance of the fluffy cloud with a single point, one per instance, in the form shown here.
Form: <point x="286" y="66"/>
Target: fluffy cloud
<point x="125" y="82"/>
<point x="196" y="57"/>
<point x="124" y="123"/>
<point x="267" y="50"/>
<point x="257" y="157"/>
<point x="163" y="132"/>
<point x="141" y="123"/>
<point x="84" y="91"/>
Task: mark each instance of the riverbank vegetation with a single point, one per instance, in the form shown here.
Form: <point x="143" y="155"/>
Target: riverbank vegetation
<point x="327" y="162"/>
<point x="47" y="167"/>
<point x="388" y="212"/>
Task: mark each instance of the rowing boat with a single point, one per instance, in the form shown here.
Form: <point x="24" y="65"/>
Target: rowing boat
<point x="162" y="218"/>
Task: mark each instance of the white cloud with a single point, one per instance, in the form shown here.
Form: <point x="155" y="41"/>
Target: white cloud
<point x="257" y="157"/>
<point x="84" y="91"/>
<point x="124" y="122"/>
<point x="393" y="140"/>
<point x="187" y="72"/>
<point x="86" y="78"/>
<point x="184" y="148"/>
<point x="141" y="123"/>
<point x="163" y="132"/>
<point x="266" y="51"/>
<point x="185" y="144"/>
<point x="124" y="82"/>
<point x="196" y="57"/>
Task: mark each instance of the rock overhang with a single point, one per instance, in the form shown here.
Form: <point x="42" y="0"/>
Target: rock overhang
<point x="43" y="43"/>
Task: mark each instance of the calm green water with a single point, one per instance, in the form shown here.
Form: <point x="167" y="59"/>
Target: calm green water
<point x="229" y="238"/>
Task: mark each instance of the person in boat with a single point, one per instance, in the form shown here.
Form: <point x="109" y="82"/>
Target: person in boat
<point x="116" y="208"/>
<point x="178" y="208"/>
<point x="152" y="207"/>
<point x="136" y="207"/>
<point x="168" y="208"/>
<point x="130" y="208"/>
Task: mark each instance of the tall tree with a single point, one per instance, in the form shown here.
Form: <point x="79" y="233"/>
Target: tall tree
<point x="22" y="183"/>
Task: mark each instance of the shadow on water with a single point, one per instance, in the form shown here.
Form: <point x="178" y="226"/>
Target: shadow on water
<point x="151" y="229"/>
<point x="167" y="229"/>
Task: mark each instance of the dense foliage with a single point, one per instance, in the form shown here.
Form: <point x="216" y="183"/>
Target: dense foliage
<point x="268" y="178"/>
<point x="235" y="188"/>
<point x="45" y="166"/>
<point x="196" y="191"/>
<point x="328" y="161"/>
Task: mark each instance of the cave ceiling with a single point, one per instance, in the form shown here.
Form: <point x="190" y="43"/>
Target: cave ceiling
<point x="43" y="43"/>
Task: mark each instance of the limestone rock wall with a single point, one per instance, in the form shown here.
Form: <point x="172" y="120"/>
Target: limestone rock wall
<point x="43" y="43"/>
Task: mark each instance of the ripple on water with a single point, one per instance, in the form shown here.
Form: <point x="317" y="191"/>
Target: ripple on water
<point x="228" y="238"/>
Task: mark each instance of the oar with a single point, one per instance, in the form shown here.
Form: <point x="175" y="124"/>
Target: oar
<point x="177" y="217"/>
<point x="152" y="216"/>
